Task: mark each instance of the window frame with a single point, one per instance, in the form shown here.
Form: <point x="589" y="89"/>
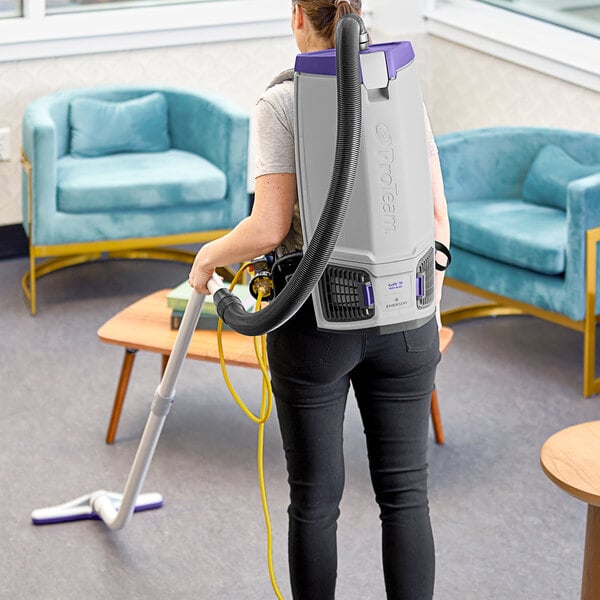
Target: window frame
<point x="37" y="35"/>
<point x="544" y="47"/>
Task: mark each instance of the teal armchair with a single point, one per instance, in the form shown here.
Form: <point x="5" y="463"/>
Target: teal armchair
<point x="127" y="172"/>
<point x="524" y="208"/>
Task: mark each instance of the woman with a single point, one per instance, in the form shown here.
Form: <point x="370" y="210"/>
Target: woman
<point x="392" y="375"/>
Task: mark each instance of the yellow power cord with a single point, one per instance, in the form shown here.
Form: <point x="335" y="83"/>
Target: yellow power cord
<point x="266" y="406"/>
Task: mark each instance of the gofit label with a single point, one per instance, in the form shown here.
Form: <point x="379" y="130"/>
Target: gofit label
<point x="396" y="293"/>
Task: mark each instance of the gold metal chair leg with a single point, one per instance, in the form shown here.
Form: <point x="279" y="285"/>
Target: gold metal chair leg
<point x="436" y="419"/>
<point x="591" y="383"/>
<point x="172" y="254"/>
<point x="28" y="283"/>
<point x="476" y="311"/>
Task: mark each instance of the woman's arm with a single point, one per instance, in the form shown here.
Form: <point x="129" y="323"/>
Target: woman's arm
<point x="442" y="224"/>
<point x="257" y="234"/>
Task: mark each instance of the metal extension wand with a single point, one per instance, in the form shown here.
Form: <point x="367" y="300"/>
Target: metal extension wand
<point x="116" y="509"/>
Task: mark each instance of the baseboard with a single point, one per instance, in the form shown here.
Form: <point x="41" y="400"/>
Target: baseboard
<point x="13" y="241"/>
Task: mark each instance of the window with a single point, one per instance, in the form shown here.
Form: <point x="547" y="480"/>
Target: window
<point x="539" y="44"/>
<point x="54" y="7"/>
<point x="45" y="28"/>
<point x="10" y="8"/>
<point x="579" y="15"/>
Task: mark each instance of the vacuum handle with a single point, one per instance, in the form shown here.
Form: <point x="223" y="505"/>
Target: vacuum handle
<point x="184" y="337"/>
<point x="214" y="284"/>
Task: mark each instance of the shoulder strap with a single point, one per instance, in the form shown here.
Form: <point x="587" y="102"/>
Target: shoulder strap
<point x="287" y="75"/>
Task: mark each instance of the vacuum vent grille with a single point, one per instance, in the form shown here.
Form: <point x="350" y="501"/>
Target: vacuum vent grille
<point x="346" y="294"/>
<point x="425" y="278"/>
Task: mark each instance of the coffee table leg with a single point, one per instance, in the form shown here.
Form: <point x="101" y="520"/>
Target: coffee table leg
<point x="165" y="360"/>
<point x="436" y="418"/>
<point x="590" y="587"/>
<point x="120" y="395"/>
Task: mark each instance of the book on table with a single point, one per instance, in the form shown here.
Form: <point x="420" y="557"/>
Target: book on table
<point x="178" y="298"/>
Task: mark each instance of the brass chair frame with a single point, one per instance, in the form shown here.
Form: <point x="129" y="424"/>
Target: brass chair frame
<point x="501" y="306"/>
<point x="68" y="255"/>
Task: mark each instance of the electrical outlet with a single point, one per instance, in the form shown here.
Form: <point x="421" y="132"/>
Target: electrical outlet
<point x="4" y="143"/>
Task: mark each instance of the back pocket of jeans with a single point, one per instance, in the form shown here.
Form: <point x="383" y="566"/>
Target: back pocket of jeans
<point x="423" y="338"/>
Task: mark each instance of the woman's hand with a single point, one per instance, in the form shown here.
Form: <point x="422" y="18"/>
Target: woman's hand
<point x="200" y="273"/>
<point x="263" y="230"/>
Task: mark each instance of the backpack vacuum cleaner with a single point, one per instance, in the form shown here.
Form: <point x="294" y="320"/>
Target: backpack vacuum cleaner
<point x="369" y="250"/>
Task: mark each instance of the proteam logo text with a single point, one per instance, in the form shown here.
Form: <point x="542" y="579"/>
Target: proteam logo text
<point x="387" y="185"/>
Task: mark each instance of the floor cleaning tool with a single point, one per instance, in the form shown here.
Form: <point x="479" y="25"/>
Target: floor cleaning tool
<point x="116" y="509"/>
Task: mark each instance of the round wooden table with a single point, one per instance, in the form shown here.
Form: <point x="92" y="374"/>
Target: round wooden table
<point x="571" y="459"/>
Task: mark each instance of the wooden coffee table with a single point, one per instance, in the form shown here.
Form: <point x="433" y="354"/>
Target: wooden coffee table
<point x="145" y="325"/>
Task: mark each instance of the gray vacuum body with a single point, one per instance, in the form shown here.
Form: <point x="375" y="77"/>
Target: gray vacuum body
<point x="381" y="274"/>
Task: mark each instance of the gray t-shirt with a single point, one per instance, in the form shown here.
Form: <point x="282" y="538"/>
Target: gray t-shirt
<point x="276" y="152"/>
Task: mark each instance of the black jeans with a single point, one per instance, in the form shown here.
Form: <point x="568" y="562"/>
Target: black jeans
<point x="393" y="377"/>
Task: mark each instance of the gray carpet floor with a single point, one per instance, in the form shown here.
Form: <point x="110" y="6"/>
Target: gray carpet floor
<point x="503" y="531"/>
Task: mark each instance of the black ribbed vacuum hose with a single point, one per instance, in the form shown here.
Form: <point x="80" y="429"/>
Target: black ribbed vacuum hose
<point x="327" y="231"/>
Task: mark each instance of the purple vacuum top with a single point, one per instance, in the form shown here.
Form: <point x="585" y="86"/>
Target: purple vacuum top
<point x="322" y="62"/>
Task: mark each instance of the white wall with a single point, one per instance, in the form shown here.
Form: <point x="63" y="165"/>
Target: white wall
<point x="396" y="19"/>
<point x="470" y="89"/>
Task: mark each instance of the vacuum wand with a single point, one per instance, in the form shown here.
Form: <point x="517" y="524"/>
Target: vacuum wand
<point x="116" y="509"/>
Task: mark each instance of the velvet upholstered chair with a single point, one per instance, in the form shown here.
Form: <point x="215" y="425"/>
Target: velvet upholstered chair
<point x="125" y="172"/>
<point x="524" y="206"/>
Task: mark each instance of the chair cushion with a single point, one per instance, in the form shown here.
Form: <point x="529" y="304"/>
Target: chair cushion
<point x="511" y="231"/>
<point x="137" y="181"/>
<point x="99" y="127"/>
<point x="550" y="174"/>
